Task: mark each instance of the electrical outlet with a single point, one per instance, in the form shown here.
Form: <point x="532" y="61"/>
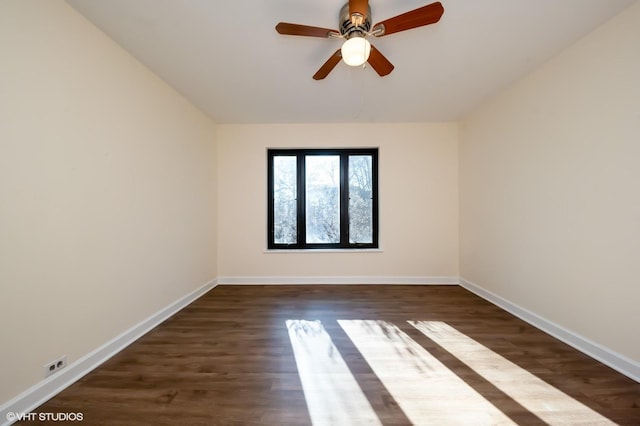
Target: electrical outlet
<point x="54" y="366"/>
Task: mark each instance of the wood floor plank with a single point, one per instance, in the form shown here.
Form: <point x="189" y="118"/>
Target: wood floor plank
<point x="228" y="359"/>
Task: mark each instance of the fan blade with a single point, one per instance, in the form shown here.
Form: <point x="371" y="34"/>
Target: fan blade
<point x="379" y="63"/>
<point x="358" y="6"/>
<point x="425" y="15"/>
<point x="328" y="66"/>
<point x="304" y="30"/>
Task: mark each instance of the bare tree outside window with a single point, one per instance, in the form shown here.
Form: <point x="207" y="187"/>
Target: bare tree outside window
<point x="284" y="195"/>
<point x="323" y="198"/>
<point x="360" y="199"/>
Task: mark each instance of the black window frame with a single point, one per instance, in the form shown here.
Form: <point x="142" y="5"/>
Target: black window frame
<point x="300" y="155"/>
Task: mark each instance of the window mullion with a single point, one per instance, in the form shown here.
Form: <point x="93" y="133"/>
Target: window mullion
<point x="301" y="204"/>
<point x="344" y="200"/>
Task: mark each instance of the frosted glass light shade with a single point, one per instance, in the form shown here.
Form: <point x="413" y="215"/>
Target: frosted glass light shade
<point x="355" y="51"/>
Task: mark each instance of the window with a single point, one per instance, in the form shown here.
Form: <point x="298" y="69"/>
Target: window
<point x="322" y="199"/>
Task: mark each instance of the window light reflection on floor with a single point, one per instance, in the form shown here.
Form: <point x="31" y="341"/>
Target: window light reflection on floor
<point x="332" y="394"/>
<point x="540" y="398"/>
<point x="426" y="390"/>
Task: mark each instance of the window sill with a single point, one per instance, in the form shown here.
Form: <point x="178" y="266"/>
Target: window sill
<point x="354" y="250"/>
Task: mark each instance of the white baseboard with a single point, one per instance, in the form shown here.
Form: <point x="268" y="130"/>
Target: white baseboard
<point x="618" y="362"/>
<point x="46" y="389"/>
<point x="51" y="386"/>
<point x="401" y="280"/>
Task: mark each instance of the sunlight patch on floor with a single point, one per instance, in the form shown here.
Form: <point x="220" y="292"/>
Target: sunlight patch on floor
<point x="426" y="390"/>
<point x="332" y="394"/>
<point x="545" y="401"/>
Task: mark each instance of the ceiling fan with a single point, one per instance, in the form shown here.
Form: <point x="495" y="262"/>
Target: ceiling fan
<point x="355" y="26"/>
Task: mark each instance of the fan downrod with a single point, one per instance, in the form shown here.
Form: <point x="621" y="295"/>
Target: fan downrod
<point x="354" y="24"/>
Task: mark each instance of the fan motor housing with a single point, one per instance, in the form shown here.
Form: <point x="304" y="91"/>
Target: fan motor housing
<point x="347" y="26"/>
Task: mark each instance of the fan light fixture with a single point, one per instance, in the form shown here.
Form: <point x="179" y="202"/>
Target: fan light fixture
<point x="355" y="51"/>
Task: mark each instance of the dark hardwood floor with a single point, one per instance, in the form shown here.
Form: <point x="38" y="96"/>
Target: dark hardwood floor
<point x="392" y="355"/>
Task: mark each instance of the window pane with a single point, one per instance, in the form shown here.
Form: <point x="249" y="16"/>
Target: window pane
<point x="323" y="198"/>
<point x="284" y="200"/>
<point x="360" y="199"/>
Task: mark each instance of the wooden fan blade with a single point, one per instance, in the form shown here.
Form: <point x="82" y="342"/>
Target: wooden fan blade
<point x="425" y="15"/>
<point x="358" y="6"/>
<point x="379" y="63"/>
<point x="304" y="30"/>
<point x="328" y="66"/>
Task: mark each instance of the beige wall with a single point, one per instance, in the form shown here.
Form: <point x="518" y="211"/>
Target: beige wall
<point x="418" y="200"/>
<point x="550" y="189"/>
<point x="107" y="191"/>
<point x="114" y="202"/>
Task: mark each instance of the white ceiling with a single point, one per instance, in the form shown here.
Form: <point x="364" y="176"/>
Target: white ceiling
<point x="227" y="58"/>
